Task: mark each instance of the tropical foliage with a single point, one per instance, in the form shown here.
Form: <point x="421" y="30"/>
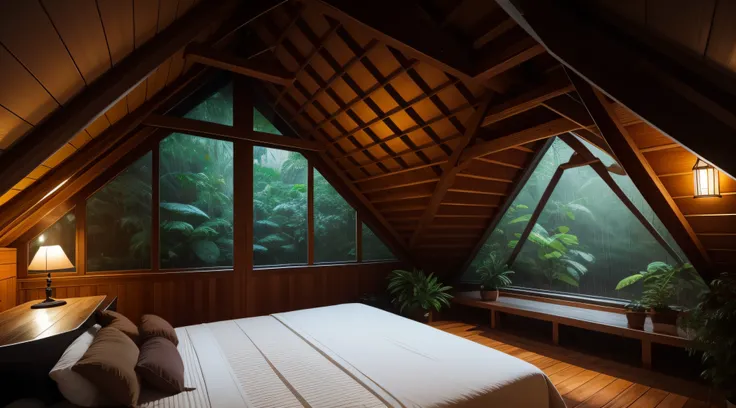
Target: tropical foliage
<point x="279" y="207"/>
<point x="663" y="282"/>
<point x="119" y="221"/>
<point x="196" y="207"/>
<point x="585" y="239"/>
<point x="413" y="291"/>
<point x="334" y="224"/>
<point x="713" y="323"/>
<point x="373" y="248"/>
<point x="494" y="273"/>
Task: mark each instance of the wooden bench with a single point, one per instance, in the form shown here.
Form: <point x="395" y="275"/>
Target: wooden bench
<point x="582" y="315"/>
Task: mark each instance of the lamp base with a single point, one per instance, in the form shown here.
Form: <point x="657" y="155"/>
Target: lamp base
<point x="49" y="302"/>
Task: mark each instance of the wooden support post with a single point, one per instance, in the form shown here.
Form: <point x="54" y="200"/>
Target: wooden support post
<point x="310" y="214"/>
<point x="643" y="176"/>
<point x="646" y="353"/>
<point x="243" y="300"/>
<point x="494" y="319"/>
<point x="556" y="333"/>
<point x="80" y="213"/>
<point x="155" y="212"/>
<point x="358" y="238"/>
<point x="535" y="215"/>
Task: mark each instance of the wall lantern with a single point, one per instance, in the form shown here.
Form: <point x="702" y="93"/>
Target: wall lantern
<point x="705" y="178"/>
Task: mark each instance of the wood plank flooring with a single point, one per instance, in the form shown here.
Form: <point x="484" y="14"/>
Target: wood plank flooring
<point x="586" y="381"/>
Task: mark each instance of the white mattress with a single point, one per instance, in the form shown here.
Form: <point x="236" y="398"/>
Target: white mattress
<point x="349" y="355"/>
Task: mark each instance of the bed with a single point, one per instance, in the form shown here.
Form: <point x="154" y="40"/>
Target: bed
<point x="348" y="355"/>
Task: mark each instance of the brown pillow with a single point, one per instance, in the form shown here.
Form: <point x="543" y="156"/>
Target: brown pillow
<point x="160" y="366"/>
<point x="108" y="318"/>
<point x="109" y="364"/>
<point x="154" y="326"/>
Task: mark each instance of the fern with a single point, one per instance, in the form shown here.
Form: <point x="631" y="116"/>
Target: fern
<point x="184" y="209"/>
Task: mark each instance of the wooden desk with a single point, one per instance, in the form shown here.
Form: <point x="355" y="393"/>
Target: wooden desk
<point x="601" y="319"/>
<point x="33" y="340"/>
<point x="21" y="323"/>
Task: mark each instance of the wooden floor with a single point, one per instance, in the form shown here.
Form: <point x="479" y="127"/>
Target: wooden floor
<point x="588" y="381"/>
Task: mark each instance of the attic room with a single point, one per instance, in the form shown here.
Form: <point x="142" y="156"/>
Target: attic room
<point x="315" y="203"/>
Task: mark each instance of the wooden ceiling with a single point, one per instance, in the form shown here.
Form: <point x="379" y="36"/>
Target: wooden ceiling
<point x="51" y="51"/>
<point x="431" y="117"/>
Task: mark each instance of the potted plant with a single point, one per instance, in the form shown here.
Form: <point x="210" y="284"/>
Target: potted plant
<point x="493" y="275"/>
<point x="662" y="282"/>
<point x="713" y="326"/>
<point x="417" y="294"/>
<point x="636" y="315"/>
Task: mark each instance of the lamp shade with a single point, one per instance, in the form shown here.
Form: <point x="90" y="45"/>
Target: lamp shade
<point x="705" y="179"/>
<point x="50" y="258"/>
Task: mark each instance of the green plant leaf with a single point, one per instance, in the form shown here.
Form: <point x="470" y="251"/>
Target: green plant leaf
<point x="628" y="281"/>
<point x="184" y="209"/>
<point x="563" y="229"/>
<point x="523" y="218"/>
<point x="207" y="251"/>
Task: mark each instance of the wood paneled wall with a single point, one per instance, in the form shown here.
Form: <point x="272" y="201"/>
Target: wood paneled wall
<point x="8" y="260"/>
<point x="185" y="298"/>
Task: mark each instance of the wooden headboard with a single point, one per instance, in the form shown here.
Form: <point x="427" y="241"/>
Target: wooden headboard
<point x="8" y="270"/>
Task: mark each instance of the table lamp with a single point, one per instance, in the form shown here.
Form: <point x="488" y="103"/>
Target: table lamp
<point x="49" y="258"/>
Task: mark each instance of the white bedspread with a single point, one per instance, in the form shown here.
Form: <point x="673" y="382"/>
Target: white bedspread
<point x="349" y="355"/>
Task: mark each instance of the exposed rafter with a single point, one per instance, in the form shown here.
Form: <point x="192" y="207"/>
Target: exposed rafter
<point x="209" y="129"/>
<point x="451" y="168"/>
<point x="641" y="173"/>
<point x="65" y="123"/>
<point x="546" y="130"/>
<point x="683" y="105"/>
<point x="256" y="68"/>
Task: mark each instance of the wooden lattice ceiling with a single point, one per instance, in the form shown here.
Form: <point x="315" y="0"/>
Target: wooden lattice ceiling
<point x="431" y="115"/>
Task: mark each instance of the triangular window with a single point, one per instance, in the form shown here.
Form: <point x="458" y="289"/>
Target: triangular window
<point x="373" y="248"/>
<point x="262" y="124"/>
<point x="216" y="108"/>
<point x="119" y="221"/>
<point x="585" y="239"/>
<point x="334" y="224"/>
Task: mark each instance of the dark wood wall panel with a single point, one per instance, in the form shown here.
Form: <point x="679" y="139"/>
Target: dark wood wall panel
<point x="186" y="298"/>
<point x="7" y="278"/>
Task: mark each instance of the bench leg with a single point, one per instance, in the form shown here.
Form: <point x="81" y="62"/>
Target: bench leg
<point x="646" y="354"/>
<point x="494" y="319"/>
<point x="556" y="333"/>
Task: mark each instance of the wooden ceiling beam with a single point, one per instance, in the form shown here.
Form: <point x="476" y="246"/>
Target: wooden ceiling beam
<point x="519" y="184"/>
<point x="540" y="132"/>
<point x="82" y="110"/>
<point x="254" y="68"/>
<point x="32" y="200"/>
<point x="642" y="174"/>
<point x="401" y="25"/>
<point x="556" y="85"/>
<point x="510" y="56"/>
<point x="451" y="168"/>
<point x="210" y="129"/>
<point x="680" y="102"/>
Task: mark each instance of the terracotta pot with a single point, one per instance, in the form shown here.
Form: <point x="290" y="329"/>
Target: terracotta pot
<point x="489" y="295"/>
<point x="636" y="320"/>
<point x="665" y="321"/>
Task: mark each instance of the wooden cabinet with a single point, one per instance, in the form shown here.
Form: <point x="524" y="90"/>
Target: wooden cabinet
<point x="8" y="260"/>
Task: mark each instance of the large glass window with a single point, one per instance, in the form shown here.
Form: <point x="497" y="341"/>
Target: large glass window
<point x="64" y="233"/>
<point x="218" y="108"/>
<point x="196" y="205"/>
<point x="279" y="207"/>
<point x="119" y="221"/>
<point x="373" y="248"/>
<point x="334" y="224"/>
<point x="585" y="240"/>
<point x="262" y="124"/>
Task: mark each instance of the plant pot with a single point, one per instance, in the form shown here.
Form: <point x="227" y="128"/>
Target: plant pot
<point x="636" y="320"/>
<point x="489" y="295"/>
<point x="420" y="315"/>
<point x="665" y="321"/>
